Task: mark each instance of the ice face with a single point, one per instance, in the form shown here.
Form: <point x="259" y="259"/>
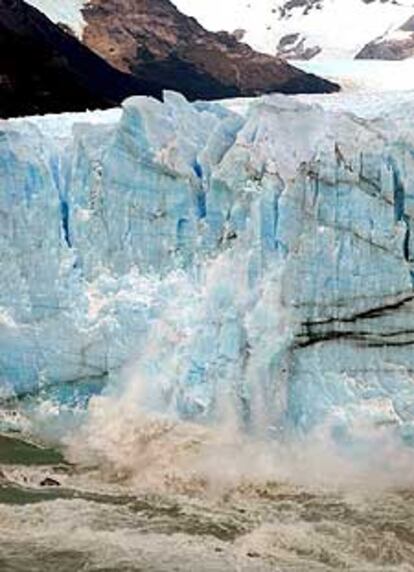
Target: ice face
<point x="257" y="261"/>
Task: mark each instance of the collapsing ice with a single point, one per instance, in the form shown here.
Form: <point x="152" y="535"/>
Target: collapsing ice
<point x="258" y="262"/>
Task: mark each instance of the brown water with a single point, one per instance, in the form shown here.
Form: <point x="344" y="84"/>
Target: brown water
<point x="98" y="522"/>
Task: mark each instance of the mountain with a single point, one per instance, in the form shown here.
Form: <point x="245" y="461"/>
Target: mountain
<point x="394" y="45"/>
<point x="44" y="70"/>
<point x="306" y="29"/>
<point x="152" y="39"/>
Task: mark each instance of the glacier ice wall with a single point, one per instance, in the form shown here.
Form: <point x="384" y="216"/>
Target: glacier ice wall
<point x="263" y="258"/>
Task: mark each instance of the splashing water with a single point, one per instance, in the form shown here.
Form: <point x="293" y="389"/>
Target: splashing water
<point x="202" y="406"/>
<point x="209" y="375"/>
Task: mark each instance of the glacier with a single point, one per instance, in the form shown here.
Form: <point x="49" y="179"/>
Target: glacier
<point x="254" y="253"/>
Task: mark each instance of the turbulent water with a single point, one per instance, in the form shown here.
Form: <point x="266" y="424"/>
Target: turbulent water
<point x="131" y="490"/>
<point x="214" y="516"/>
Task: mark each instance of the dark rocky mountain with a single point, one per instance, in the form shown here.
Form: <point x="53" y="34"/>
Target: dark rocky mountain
<point x="130" y="47"/>
<point x="43" y="69"/>
<point x="151" y="38"/>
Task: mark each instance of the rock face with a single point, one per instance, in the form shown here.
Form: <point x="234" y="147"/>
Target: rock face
<point x="43" y="69"/>
<point x="291" y="29"/>
<point x="145" y="47"/>
<point x="265" y="257"/>
<point x="153" y="39"/>
<point x="395" y="45"/>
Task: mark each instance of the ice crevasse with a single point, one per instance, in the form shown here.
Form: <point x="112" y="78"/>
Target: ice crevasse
<point x="259" y="254"/>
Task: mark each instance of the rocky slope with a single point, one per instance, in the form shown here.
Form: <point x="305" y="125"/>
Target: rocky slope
<point x="292" y="29"/>
<point x="43" y="69"/>
<point x="140" y="48"/>
<point x="152" y="38"/>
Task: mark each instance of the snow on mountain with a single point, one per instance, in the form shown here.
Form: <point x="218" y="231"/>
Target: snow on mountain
<point x="155" y="42"/>
<point x="44" y="69"/>
<point x="396" y="44"/>
<point x="128" y="47"/>
<point x="295" y="29"/>
<point x="68" y="12"/>
<point x="303" y="28"/>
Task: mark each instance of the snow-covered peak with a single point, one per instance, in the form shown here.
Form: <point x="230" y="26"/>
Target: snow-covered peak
<point x="303" y="28"/>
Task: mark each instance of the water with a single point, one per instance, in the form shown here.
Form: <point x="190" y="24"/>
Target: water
<point x="193" y="499"/>
<point x="106" y="476"/>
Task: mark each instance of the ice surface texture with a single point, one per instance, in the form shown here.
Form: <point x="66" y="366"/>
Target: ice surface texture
<point x="263" y="258"/>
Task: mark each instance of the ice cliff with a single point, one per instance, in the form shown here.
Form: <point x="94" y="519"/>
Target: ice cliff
<point x="263" y="257"/>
